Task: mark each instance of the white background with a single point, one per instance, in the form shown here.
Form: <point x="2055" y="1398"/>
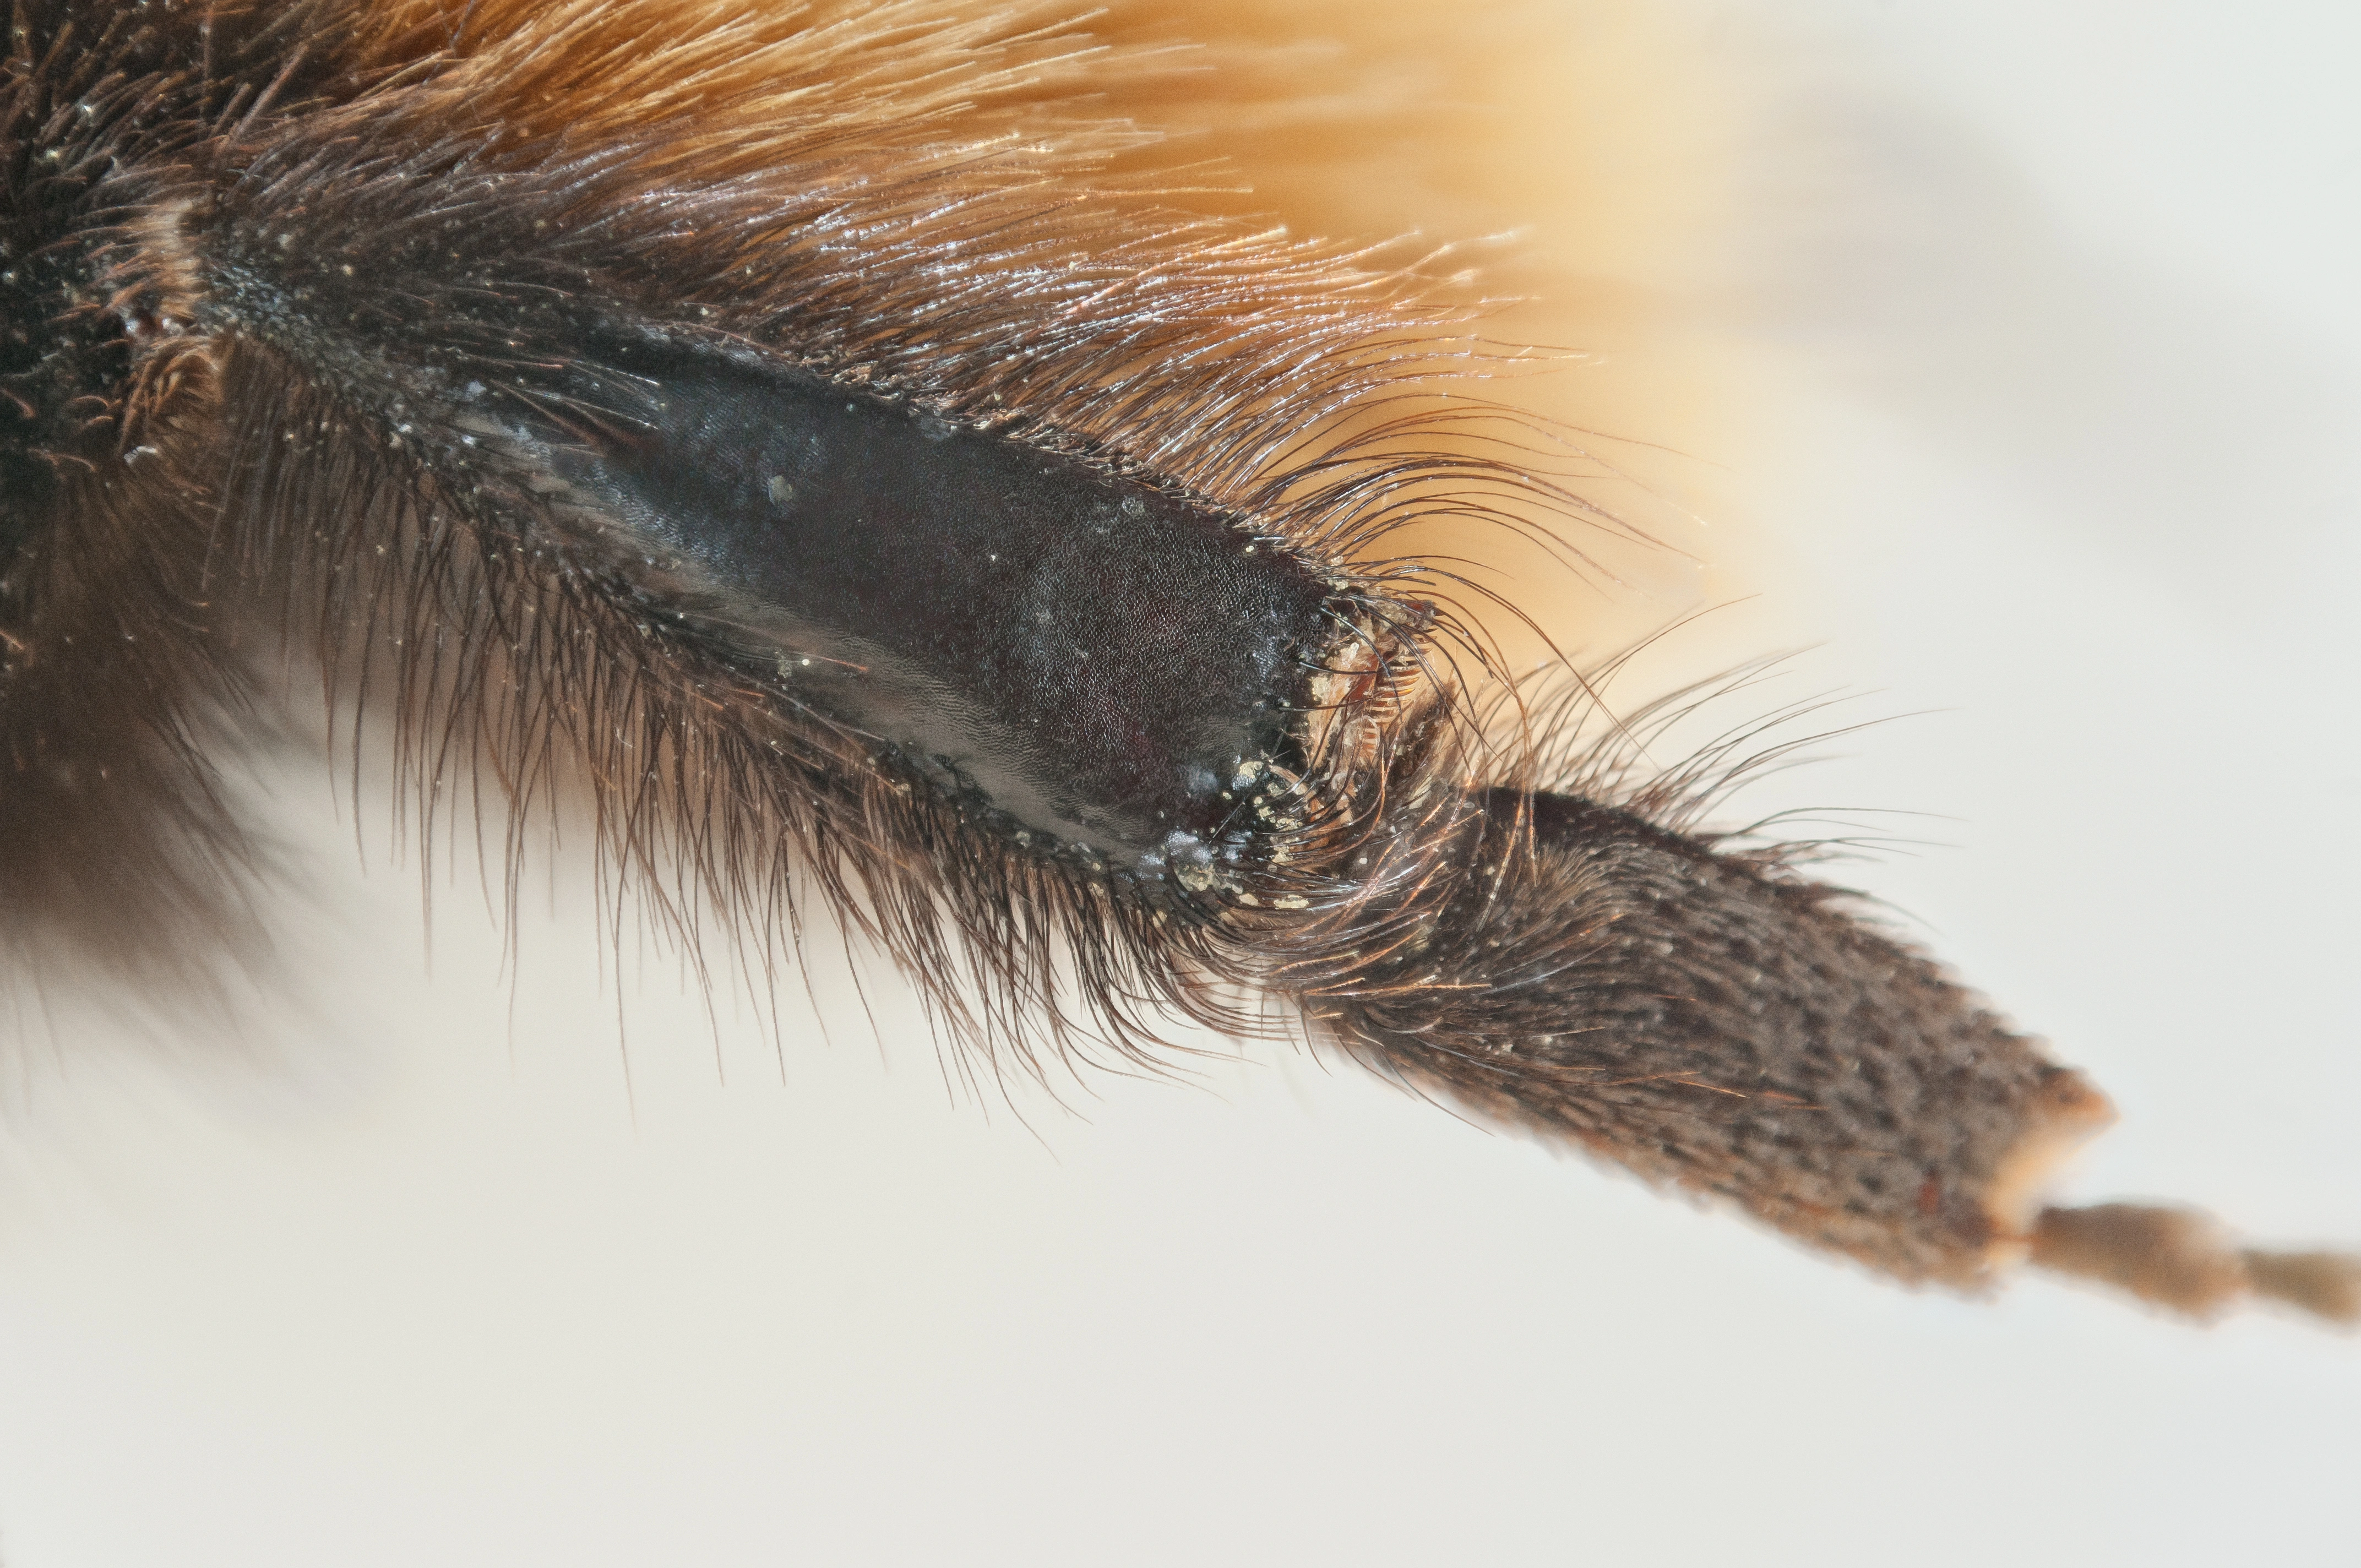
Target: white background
<point x="2044" y="318"/>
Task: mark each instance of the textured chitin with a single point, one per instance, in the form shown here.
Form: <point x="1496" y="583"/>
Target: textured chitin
<point x="814" y="432"/>
<point x="1109" y="666"/>
<point x="1670" y="1007"/>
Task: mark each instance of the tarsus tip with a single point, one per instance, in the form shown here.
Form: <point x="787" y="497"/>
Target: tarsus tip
<point x="2185" y="1261"/>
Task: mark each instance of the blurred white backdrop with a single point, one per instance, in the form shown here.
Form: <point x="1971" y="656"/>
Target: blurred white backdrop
<point x="2039" y="325"/>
